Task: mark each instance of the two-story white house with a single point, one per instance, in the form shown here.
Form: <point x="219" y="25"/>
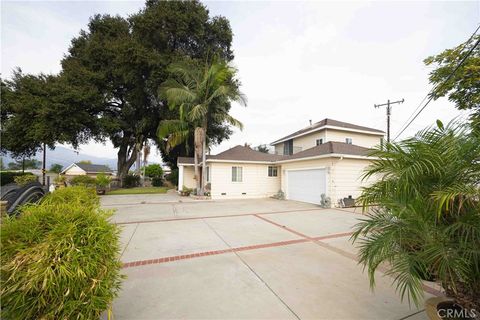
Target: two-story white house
<point x="324" y="160"/>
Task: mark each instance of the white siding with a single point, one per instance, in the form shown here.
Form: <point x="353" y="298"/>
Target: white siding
<point x="75" y="171"/>
<point x="255" y="181"/>
<point x="359" y="139"/>
<point x="346" y="178"/>
<point x="188" y="177"/>
<point x="309" y="141"/>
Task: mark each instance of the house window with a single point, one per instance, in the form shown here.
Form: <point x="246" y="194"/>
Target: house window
<point x="348" y="140"/>
<point x="288" y="147"/>
<point x="208" y="174"/>
<point x="272" y="171"/>
<point x="319" y="142"/>
<point x="236" y="174"/>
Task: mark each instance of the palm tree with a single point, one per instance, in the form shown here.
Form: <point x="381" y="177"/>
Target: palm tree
<point x="201" y="94"/>
<point x="426" y="221"/>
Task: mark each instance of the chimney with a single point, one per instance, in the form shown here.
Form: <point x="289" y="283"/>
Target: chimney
<point x="310" y="121"/>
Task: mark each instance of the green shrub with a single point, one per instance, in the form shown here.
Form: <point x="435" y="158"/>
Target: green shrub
<point x="157" y="182"/>
<point x="78" y="195"/>
<point x="7" y="177"/>
<point x="24" y="179"/>
<point x="173" y="177"/>
<point x="59" y="261"/>
<point x="60" y="179"/>
<point x="83" y="181"/>
<point x="131" y="181"/>
<point x="153" y="170"/>
<point x="102" y="180"/>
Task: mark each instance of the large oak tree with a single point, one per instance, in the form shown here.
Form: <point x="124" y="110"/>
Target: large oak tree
<point x="120" y="63"/>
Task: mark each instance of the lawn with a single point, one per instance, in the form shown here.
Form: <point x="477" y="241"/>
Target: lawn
<point x="139" y="190"/>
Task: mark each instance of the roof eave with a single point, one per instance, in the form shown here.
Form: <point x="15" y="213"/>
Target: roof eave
<point x="377" y="133"/>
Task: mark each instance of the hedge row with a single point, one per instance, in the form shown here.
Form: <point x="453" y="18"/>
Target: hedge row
<point x="7" y="177"/>
<point x="60" y="258"/>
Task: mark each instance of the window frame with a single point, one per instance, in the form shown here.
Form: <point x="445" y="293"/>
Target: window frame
<point x="271" y="170"/>
<point x="348" y="140"/>
<point x="317" y="140"/>
<point x="236" y="176"/>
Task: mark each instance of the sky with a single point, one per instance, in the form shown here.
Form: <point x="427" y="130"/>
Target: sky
<point x="297" y="61"/>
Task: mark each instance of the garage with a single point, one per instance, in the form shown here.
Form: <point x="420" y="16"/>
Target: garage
<point x="306" y="185"/>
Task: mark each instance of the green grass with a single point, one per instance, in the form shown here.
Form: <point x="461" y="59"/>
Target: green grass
<point x="139" y="190"/>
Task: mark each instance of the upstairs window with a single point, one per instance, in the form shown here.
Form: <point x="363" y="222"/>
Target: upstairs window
<point x="348" y="140"/>
<point x="319" y="142"/>
<point x="237" y="174"/>
<point x="272" y="171"/>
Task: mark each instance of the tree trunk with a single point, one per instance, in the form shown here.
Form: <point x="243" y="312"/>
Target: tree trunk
<point x="204" y="159"/>
<point x="124" y="162"/>
<point x="198" y="153"/>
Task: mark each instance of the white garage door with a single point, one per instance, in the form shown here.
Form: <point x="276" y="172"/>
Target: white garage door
<point x="306" y="185"/>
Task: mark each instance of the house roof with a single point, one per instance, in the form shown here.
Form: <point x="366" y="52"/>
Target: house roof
<point x="328" y="122"/>
<point x="237" y="153"/>
<point x="331" y="147"/>
<point x="241" y="153"/>
<point x="88" y="167"/>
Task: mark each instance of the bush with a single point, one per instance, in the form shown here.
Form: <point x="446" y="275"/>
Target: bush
<point x="173" y="177"/>
<point x="24" y="179"/>
<point x="86" y="181"/>
<point x="102" y="180"/>
<point x="7" y="177"/>
<point x="78" y="195"/>
<point x="157" y="182"/>
<point x="153" y="170"/>
<point x="60" y="179"/>
<point x="131" y="181"/>
<point x="59" y="260"/>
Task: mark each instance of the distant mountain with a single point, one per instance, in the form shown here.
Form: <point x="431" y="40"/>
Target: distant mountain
<point x="66" y="157"/>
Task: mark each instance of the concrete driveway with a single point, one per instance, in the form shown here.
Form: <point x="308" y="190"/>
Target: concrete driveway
<point x="244" y="259"/>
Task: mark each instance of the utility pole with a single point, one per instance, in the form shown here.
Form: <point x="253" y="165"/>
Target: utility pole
<point x="44" y="170"/>
<point x="389" y="112"/>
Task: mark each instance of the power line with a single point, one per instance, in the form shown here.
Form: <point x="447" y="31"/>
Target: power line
<point x="430" y="93"/>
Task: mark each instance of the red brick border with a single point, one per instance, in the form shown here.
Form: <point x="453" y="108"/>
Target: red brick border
<point x="211" y="253"/>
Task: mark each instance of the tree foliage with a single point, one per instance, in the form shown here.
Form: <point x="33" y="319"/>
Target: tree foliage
<point x="427" y="221"/>
<point x="153" y="170"/>
<point x="41" y="110"/>
<point x="463" y="88"/>
<point x="56" y="168"/>
<point x="119" y="63"/>
<point x="201" y="93"/>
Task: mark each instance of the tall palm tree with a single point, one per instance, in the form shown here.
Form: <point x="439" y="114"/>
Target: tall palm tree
<point x="201" y="94"/>
<point x="426" y="221"/>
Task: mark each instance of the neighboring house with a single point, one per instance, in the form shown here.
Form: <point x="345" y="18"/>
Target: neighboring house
<point x="82" y="169"/>
<point x="326" y="158"/>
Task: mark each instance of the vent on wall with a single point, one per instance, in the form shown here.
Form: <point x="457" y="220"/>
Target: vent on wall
<point x="244" y="193"/>
<point x="224" y="193"/>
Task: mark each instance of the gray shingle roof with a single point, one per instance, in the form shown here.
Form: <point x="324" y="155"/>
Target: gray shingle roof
<point x="328" y="122"/>
<point x="241" y="153"/>
<point x="93" y="167"/>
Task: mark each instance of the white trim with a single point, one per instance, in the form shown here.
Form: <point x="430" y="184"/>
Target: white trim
<point x="180" y="178"/>
<point x="240" y="161"/>
<point x="272" y="163"/>
<point x="375" y="133"/>
<point x="185" y="164"/>
<point x="329" y="155"/>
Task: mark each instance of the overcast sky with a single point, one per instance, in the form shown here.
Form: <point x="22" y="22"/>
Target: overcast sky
<point x="297" y="60"/>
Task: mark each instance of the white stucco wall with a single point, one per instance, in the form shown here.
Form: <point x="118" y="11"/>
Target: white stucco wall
<point x="255" y="183"/>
